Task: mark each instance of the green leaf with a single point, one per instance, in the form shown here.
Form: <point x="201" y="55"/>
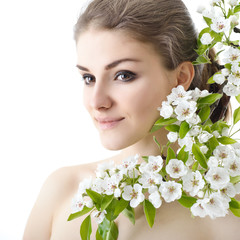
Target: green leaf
<point x="236" y="115"/>
<point x="234" y="207"/>
<point x="129" y="212"/>
<point x="112" y="233"/>
<point x="150" y="212"/>
<point x="182" y="155"/>
<point x="115" y="208"/>
<point x="226" y="140"/>
<point x="156" y="141"/>
<point x="172" y="128"/>
<point x="162" y="122"/>
<point x="236" y="9"/>
<point x="208" y="21"/>
<point x="106" y="201"/>
<point x="199" y="156"/>
<point x="86" y="228"/>
<point x="187" y="201"/>
<point x="96" y="197"/>
<point x="195" y="166"/>
<point x="98" y="235"/>
<point x="210" y="80"/>
<point x="170" y="154"/>
<point x="184" y="128"/>
<point x="204" y="113"/>
<point x="202" y="60"/>
<point x="238" y="98"/>
<point x="212" y="143"/>
<point x="210" y="99"/>
<point x="234" y="180"/>
<point x="80" y="213"/>
<point x="228" y="66"/>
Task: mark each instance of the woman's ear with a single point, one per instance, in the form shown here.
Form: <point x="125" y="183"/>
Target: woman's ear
<point x="185" y="74"/>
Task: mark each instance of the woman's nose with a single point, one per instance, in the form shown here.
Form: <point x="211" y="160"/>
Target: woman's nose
<point x="100" y="97"/>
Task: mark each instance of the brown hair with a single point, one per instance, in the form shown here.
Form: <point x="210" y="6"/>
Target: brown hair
<point x="165" y="24"/>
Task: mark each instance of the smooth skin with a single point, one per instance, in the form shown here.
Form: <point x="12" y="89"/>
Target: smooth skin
<point x="125" y="81"/>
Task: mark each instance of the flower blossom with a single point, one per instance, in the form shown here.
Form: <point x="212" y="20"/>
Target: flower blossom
<point x="113" y="186"/>
<point x="231" y="55"/>
<point x="79" y="202"/>
<point x="170" y="191"/>
<point x="148" y="179"/>
<point x="193" y="182"/>
<point x="204" y="136"/>
<point x="185" y="110"/>
<point x="133" y="194"/>
<point x="233" y="2"/>
<point x="218" y="178"/>
<point x="206" y="39"/>
<point x="99" y="216"/>
<point x="172" y="136"/>
<point x="128" y="164"/>
<point x="178" y="94"/>
<point x="166" y="110"/>
<point x="154" y="165"/>
<point x="176" y="168"/>
<point x="219" y="78"/>
<point x="104" y="169"/>
<point x="220" y="24"/>
<point x="233" y="166"/>
<point x="155" y="199"/>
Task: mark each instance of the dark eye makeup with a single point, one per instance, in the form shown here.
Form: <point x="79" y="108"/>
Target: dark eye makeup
<point x="122" y="76"/>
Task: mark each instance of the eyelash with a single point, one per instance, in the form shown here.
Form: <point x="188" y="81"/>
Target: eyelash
<point x="88" y="78"/>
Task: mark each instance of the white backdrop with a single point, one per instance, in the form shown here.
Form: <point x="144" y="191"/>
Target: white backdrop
<point x="43" y="125"/>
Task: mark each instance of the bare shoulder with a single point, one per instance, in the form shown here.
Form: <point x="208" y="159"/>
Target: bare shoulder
<point x="57" y="187"/>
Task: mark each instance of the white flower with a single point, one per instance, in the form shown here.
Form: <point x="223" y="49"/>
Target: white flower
<point x="194" y="120"/>
<point x="149" y="179"/>
<point x="99" y="216"/>
<point x="228" y="192"/>
<point x="201" y="8"/>
<point x="206" y="39"/>
<point x="197" y="208"/>
<point x="216" y="206"/>
<point x="220" y="24"/>
<point x="104" y="168"/>
<point x="193" y="182"/>
<point x="190" y="161"/>
<point x="133" y="194"/>
<point x="166" y="110"/>
<point x="225" y="131"/>
<point x="85" y="184"/>
<point x="233" y="2"/>
<point x="234" y="20"/>
<point x="194" y="131"/>
<point x="176" y="168"/>
<point x="225" y="72"/>
<point x="154" y="165"/>
<point x="99" y="185"/>
<point x="231" y="90"/>
<point x="185" y="110"/>
<point x="223" y="152"/>
<point x="237" y="188"/>
<point x="233" y="166"/>
<point x="218" y="178"/>
<point x="219" y="78"/>
<point x="155" y="199"/>
<point x="128" y="164"/>
<point x="178" y="94"/>
<point x="171" y="191"/>
<point x="197" y="93"/>
<point x="212" y="2"/>
<point x="204" y="149"/>
<point x="186" y="141"/>
<point x="218" y="46"/>
<point x="212" y="162"/>
<point x="204" y="136"/>
<point x="79" y="202"/>
<point x="113" y="186"/>
<point x="172" y="136"/>
<point x="234" y="79"/>
<point x="231" y="55"/>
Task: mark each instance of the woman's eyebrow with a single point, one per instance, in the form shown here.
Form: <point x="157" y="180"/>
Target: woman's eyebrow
<point x="113" y="64"/>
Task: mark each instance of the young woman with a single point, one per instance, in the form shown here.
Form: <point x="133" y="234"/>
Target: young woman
<point x="131" y="53"/>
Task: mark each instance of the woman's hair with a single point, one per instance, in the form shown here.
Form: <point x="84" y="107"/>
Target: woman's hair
<point x="165" y="24"/>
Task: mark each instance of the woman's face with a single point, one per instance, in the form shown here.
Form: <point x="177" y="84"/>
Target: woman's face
<point x="125" y="83"/>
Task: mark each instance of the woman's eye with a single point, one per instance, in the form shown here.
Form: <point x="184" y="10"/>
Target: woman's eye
<point x="88" y="79"/>
<point x="125" y="76"/>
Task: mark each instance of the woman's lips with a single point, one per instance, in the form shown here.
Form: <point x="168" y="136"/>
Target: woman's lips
<point x="108" y="123"/>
